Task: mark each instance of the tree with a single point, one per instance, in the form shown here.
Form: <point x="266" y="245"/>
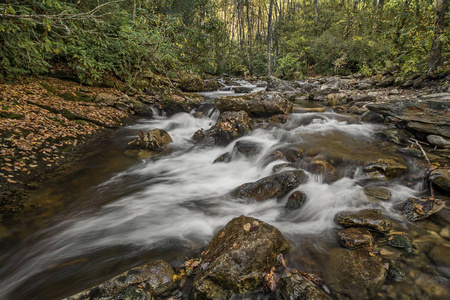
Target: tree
<point x="269" y="39"/>
<point x="436" y="48"/>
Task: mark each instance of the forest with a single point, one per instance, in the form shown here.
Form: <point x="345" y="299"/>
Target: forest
<point x="135" y="39"/>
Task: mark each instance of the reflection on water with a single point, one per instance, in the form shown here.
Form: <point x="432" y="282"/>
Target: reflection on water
<point x="116" y="212"/>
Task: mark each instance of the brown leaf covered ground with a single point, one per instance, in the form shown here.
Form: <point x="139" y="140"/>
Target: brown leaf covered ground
<point x="36" y="135"/>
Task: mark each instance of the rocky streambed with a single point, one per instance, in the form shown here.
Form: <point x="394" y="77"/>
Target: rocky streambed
<point x="326" y="189"/>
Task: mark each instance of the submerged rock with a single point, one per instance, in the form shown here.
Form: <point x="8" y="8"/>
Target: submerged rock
<point x="261" y="104"/>
<point x="237" y="257"/>
<point x="273" y="186"/>
<point x="296" y="200"/>
<point x="230" y="125"/>
<point x="416" y="209"/>
<point x="441" y="178"/>
<point x="156" y="278"/>
<point x="356" y="273"/>
<point x="396" y="274"/>
<point x="154" y="140"/>
<point x="400" y="240"/>
<point x="367" y="218"/>
<point x="355" y="238"/>
<point x="296" y="286"/>
<point x="386" y="167"/>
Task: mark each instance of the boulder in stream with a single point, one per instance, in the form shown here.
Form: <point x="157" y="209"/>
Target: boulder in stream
<point x="441" y="178"/>
<point x="155" y="278"/>
<point x="175" y="102"/>
<point x="377" y="193"/>
<point x="273" y="186"/>
<point x="154" y="140"/>
<point x="430" y="114"/>
<point x="237" y="257"/>
<point x="261" y="104"/>
<point x="416" y="209"/>
<point x="191" y="83"/>
<point x="296" y="200"/>
<point x="230" y="125"/>
<point x="371" y="219"/>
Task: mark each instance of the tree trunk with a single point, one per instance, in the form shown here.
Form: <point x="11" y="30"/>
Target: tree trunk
<point x="436" y="48"/>
<point x="269" y="39"/>
<point x="316" y="12"/>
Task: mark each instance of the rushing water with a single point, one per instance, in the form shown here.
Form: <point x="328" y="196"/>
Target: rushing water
<point x="170" y="206"/>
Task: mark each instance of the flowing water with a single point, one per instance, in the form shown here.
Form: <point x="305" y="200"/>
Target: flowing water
<point x="115" y="212"/>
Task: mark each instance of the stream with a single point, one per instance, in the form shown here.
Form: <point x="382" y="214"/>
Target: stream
<point x="113" y="212"/>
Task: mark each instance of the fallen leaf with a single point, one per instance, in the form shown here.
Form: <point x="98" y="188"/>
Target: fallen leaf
<point x="247" y="226"/>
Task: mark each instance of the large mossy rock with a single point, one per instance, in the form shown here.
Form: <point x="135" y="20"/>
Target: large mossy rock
<point x="237" y="257"/>
<point x="191" y="83"/>
<point x="296" y="286"/>
<point x="273" y="186"/>
<point x="154" y="140"/>
<point x="441" y="178"/>
<point x="156" y="278"/>
<point x="261" y="104"/>
<point x="416" y="209"/>
<point x="176" y="102"/>
<point x="371" y="219"/>
<point x="231" y="125"/>
<point x="430" y="114"/>
<point x="358" y="274"/>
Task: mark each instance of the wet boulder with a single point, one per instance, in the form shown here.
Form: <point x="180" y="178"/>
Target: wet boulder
<point x="435" y="287"/>
<point x="386" y="167"/>
<point x="354" y="237"/>
<point x="237" y="257"/>
<point x="441" y="178"/>
<point x="273" y="186"/>
<point x="371" y="219"/>
<point x="231" y="125"/>
<point x="296" y="200"/>
<point x="377" y="193"/>
<point x="416" y="209"/>
<point x="153" y="140"/>
<point x="439" y="141"/>
<point x="155" y="278"/>
<point x="296" y="286"/>
<point x="429" y="114"/>
<point x="247" y="148"/>
<point x="358" y="274"/>
<point x="261" y="104"/>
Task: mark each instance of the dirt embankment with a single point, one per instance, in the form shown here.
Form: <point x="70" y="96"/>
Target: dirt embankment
<point x="43" y="123"/>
